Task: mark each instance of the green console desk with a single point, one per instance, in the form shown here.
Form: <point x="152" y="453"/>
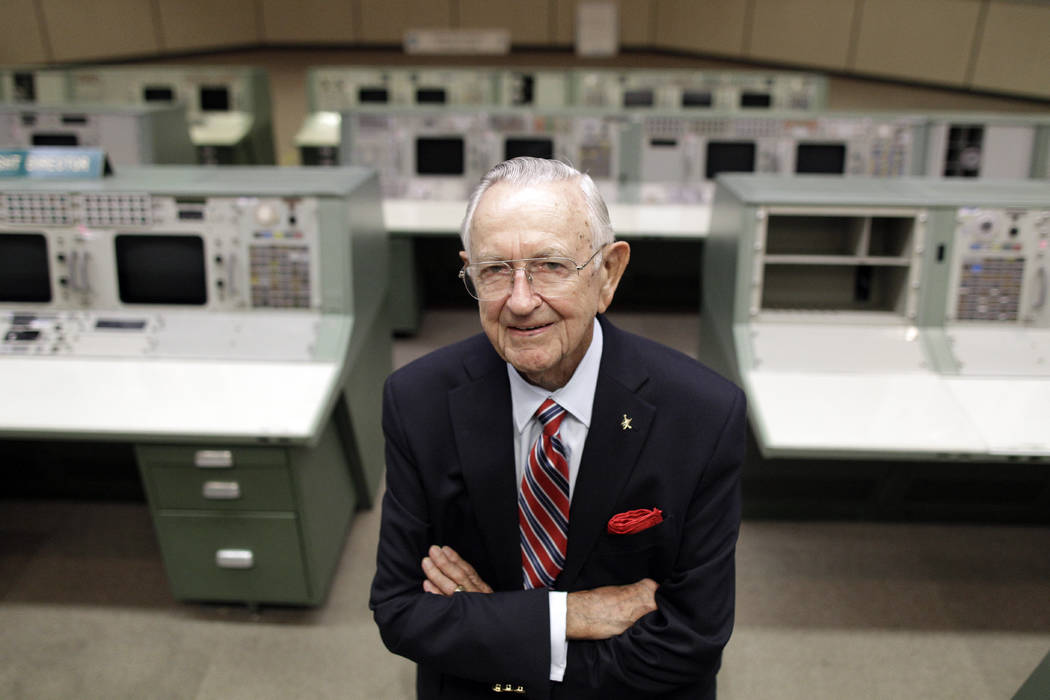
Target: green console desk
<point x="231" y="324"/>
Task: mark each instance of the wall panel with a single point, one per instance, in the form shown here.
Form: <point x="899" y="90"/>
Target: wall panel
<point x="21" y="36"/>
<point x="713" y="26"/>
<point x="308" y="21"/>
<point x="927" y="40"/>
<point x="528" y="20"/>
<point x="99" y="29"/>
<point x="806" y="32"/>
<point x="385" y="21"/>
<point x="188" y="25"/>
<point x="1014" y="52"/>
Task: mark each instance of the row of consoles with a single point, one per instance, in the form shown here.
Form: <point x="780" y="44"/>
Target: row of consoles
<point x="910" y="277"/>
<point x="660" y="158"/>
<point x="229" y="324"/>
<point x="228" y="109"/>
<point x="439" y="153"/>
<point x="657" y="135"/>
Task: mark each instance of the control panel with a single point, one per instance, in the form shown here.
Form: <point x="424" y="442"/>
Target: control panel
<point x="202" y="89"/>
<point x="441" y="155"/>
<point x="27" y="85"/>
<point x="228" y="107"/>
<point x="215" y="263"/>
<point x="130" y="135"/>
<point x="335" y="88"/>
<point x="690" y="90"/>
<point x="686" y="149"/>
<point x="84" y="250"/>
<point x="1014" y="146"/>
<point x="168" y="334"/>
<point x="1001" y="267"/>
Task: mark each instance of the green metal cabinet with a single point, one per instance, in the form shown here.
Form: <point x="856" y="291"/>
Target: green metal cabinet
<point x="250" y="524"/>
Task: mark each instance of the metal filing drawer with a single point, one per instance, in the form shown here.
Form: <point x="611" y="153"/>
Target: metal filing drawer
<point x="239" y="489"/>
<point x="264" y="558"/>
<point x="210" y="458"/>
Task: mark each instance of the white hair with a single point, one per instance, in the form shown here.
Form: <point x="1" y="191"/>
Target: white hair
<point x="524" y="171"/>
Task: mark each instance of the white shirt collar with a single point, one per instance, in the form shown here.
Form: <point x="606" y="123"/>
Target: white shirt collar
<point x="576" y="397"/>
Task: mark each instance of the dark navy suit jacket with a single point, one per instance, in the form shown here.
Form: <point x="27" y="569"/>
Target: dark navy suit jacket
<point x="451" y="481"/>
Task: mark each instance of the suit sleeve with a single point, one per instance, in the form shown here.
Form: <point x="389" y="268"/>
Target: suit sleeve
<point x="681" y="642"/>
<point x="499" y="637"/>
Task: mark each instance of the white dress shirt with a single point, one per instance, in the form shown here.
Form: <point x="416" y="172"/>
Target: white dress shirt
<point x="577" y="398"/>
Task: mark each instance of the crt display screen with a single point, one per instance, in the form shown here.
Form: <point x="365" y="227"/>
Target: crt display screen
<point x="158" y="93"/>
<point x="431" y="96"/>
<point x="730" y="157"/>
<point x="154" y="269"/>
<point x="55" y="138"/>
<point x="24" y="273"/>
<point x="537" y="148"/>
<point x="821" y="158"/>
<point x="697" y="98"/>
<point x="638" y="98"/>
<point x="215" y="98"/>
<point x="439" y="156"/>
<point x="756" y="99"/>
<point x="375" y="95"/>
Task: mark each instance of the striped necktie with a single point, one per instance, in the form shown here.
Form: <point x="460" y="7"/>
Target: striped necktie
<point x="543" y="502"/>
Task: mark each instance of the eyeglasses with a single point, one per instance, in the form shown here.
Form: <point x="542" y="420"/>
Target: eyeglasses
<point x="549" y="277"/>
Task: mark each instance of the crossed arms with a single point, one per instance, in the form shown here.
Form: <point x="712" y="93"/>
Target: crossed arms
<point x="598" y="613"/>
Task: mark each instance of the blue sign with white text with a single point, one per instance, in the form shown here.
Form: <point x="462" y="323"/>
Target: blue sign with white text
<point x="56" y="163"/>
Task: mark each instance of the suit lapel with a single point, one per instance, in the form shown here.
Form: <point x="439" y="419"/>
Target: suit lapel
<point x="484" y="434"/>
<point x="611" y="449"/>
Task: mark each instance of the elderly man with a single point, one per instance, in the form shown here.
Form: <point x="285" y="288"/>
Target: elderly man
<point x="562" y="499"/>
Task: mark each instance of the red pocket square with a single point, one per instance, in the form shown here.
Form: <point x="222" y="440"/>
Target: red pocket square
<point x="634" y="521"/>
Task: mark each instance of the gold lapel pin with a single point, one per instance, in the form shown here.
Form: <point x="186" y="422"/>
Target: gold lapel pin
<point x="626" y="423"/>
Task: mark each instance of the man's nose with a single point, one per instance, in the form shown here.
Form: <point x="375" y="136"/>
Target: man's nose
<point x="522" y="298"/>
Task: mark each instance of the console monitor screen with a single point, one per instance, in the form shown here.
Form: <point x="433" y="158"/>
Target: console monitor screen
<point x="24" y="275"/>
<point x="158" y="93"/>
<point x="373" y="95"/>
<point x="755" y="99"/>
<point x="155" y="269"/>
<point x="638" y="98"/>
<point x="215" y="98"/>
<point x="435" y="96"/>
<point x="25" y="87"/>
<point x="827" y="158"/>
<point x="537" y="148"/>
<point x="697" y="98"/>
<point x="439" y="156"/>
<point x="54" y="138"/>
<point x="526" y="89"/>
<point x="729" y="157"/>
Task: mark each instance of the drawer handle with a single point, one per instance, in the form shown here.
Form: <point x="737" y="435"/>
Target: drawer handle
<point x="213" y="459"/>
<point x="234" y="559"/>
<point x="222" y="490"/>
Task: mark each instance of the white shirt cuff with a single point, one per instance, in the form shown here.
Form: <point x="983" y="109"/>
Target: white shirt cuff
<point x="559" y="644"/>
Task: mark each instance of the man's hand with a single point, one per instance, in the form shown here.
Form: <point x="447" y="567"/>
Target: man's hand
<point x="601" y="613"/>
<point x="446" y="571"/>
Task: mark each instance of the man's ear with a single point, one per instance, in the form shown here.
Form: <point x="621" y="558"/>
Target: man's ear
<point x="614" y="262"/>
<point x="464" y="257"/>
